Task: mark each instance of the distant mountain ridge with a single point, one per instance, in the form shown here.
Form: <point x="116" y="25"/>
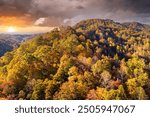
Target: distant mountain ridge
<point x="111" y="23"/>
<point x="99" y="22"/>
<point x="136" y="25"/>
<point x="10" y="41"/>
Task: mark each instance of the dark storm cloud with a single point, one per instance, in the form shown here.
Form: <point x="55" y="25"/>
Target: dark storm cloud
<point x="14" y="7"/>
<point x="69" y="11"/>
<point x="140" y="6"/>
<point x="80" y="7"/>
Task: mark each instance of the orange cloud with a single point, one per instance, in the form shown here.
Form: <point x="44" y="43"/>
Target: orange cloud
<point x="15" y="21"/>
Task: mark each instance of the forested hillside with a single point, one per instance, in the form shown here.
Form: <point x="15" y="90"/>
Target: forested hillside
<point x="96" y="59"/>
<point x="8" y="42"/>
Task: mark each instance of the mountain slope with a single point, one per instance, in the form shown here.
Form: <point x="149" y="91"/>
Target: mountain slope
<point x="95" y="59"/>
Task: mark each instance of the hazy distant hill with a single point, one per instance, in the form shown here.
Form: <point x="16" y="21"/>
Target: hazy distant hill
<point x="9" y="41"/>
<point x="95" y="59"/>
<point x="136" y="25"/>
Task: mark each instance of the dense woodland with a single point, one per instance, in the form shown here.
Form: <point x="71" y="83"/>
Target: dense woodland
<point x="93" y="60"/>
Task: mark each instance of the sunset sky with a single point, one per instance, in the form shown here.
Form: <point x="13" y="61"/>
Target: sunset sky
<point x="42" y="15"/>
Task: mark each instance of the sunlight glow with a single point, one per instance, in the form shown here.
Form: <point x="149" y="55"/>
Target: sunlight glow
<point x="11" y="29"/>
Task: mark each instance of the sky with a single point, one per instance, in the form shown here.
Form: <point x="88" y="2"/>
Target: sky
<point x="42" y="15"/>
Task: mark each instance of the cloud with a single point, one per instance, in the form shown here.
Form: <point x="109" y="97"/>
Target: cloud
<point x="40" y="21"/>
<point x="49" y="21"/>
<point x="14" y="7"/>
<point x="60" y="12"/>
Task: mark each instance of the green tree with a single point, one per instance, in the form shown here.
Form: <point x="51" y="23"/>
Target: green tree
<point x="38" y="91"/>
<point x="51" y="88"/>
<point x="72" y="91"/>
<point x="100" y="66"/>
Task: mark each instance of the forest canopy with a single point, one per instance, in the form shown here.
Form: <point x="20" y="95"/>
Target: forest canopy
<point x="93" y="60"/>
